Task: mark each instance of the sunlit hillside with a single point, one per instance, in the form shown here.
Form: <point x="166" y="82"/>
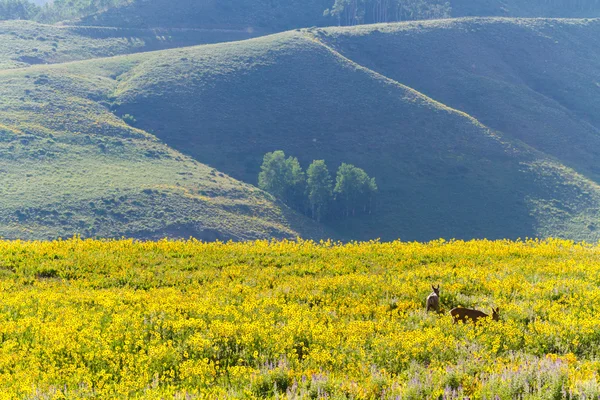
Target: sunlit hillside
<point x="25" y="43"/>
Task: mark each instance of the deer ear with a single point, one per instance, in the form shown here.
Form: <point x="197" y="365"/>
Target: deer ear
<point x="497" y="310"/>
<point x="438" y="288"/>
<point x="433" y="287"/>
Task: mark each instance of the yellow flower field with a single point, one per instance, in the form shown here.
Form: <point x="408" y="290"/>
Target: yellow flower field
<point x="297" y="320"/>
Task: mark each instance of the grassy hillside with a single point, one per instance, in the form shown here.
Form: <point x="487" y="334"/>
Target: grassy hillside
<point x="70" y="166"/>
<point x="23" y="43"/>
<point x="440" y="172"/>
<point x="526" y="8"/>
<point x="260" y="14"/>
<point x="287" y="320"/>
<point x="489" y="133"/>
<point x="515" y="76"/>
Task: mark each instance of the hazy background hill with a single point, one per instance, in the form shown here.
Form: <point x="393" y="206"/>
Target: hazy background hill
<point x="276" y="16"/>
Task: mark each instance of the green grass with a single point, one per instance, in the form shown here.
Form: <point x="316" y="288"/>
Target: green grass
<point x="70" y="166"/>
<point x="23" y="43"/>
<point x="515" y="76"/>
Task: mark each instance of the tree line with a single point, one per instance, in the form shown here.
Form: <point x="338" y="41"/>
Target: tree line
<point x="355" y="12"/>
<point x="58" y="10"/>
<point x="346" y="12"/>
<point x="314" y="192"/>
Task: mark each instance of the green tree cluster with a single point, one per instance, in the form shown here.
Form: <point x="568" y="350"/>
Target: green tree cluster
<point x="313" y="192"/>
<point x="58" y="10"/>
<point x="17" y="9"/>
<point x="354" y="12"/>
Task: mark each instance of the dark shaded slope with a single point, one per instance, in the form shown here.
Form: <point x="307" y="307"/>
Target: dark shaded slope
<point x="526" y="8"/>
<point x="237" y="14"/>
<point x="535" y="80"/>
<point x="440" y="172"/>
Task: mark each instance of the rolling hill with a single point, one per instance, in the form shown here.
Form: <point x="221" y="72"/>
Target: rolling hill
<point x="24" y="43"/>
<point x="69" y="166"/>
<point x="472" y="128"/>
<point x="441" y="172"/>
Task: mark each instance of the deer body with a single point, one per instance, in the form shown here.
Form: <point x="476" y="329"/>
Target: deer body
<point x="464" y="314"/>
<point x="433" y="300"/>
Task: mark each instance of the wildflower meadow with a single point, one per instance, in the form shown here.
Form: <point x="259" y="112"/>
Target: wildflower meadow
<point x="298" y="320"/>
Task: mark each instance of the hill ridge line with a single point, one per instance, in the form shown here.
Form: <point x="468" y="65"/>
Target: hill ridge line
<point x="310" y="36"/>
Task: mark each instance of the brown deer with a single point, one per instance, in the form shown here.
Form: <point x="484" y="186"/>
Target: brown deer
<point x="433" y="300"/>
<point x="463" y="314"/>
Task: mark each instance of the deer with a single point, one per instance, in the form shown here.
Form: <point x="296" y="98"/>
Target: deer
<point x="433" y="300"/>
<point x="463" y="314"/>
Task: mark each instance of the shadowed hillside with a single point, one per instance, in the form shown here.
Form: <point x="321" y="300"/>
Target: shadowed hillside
<point x="526" y="8"/>
<point x="534" y="80"/>
<point x="260" y="14"/>
<point x="441" y="173"/>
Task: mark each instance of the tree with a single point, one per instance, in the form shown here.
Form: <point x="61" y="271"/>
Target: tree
<point x="17" y="9"/>
<point x="296" y="185"/>
<point x="354" y="189"/>
<point x="353" y="12"/>
<point x="319" y="189"/>
<point x="283" y="178"/>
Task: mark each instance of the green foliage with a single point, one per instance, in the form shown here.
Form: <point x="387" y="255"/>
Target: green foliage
<point x="354" y="189"/>
<point x="17" y="9"/>
<point x="60" y="10"/>
<point x="319" y="188"/>
<point x="257" y="15"/>
<point x="283" y="178"/>
<point x="354" y="12"/>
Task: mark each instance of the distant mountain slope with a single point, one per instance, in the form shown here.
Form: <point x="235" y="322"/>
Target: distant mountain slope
<point x="234" y="14"/>
<point x="23" y="43"/>
<point x="441" y="172"/>
<point x="67" y="165"/>
<point x="535" y="80"/>
<point x="526" y="8"/>
<point x="277" y="16"/>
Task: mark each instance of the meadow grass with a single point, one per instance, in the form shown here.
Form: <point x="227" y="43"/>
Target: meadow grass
<point x="186" y="319"/>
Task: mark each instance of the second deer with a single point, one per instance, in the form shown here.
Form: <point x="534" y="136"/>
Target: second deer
<point x="464" y="314"/>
